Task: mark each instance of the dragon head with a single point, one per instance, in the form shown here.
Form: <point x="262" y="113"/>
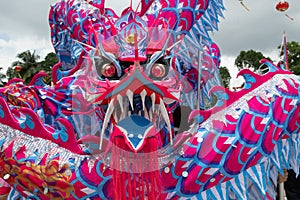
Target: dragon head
<point x="140" y="70"/>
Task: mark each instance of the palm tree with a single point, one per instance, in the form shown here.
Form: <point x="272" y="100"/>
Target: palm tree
<point x="28" y="66"/>
<point x="2" y="78"/>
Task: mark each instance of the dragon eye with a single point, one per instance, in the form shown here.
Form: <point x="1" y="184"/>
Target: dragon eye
<point x="158" y="71"/>
<point x="108" y="70"/>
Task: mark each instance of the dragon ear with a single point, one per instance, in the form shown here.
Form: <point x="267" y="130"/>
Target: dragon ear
<point x="177" y="15"/>
<point x="97" y="3"/>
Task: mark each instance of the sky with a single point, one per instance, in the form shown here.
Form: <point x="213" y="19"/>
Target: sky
<point x="24" y="26"/>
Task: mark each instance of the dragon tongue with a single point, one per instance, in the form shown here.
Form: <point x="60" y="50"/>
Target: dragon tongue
<point x="135" y="128"/>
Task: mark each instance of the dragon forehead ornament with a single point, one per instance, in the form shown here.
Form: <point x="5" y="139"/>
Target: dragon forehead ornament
<point x="129" y="115"/>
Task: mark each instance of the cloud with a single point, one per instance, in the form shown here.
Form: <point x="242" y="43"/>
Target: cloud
<point x="261" y="29"/>
<point x="9" y="49"/>
<point x="28" y="17"/>
<point x="24" y="26"/>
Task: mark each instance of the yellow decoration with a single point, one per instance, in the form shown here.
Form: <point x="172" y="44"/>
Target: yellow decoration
<point x="130" y="39"/>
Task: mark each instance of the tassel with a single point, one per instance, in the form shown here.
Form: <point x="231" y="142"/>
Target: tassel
<point x="136" y="175"/>
<point x="129" y="186"/>
<point x="119" y="176"/>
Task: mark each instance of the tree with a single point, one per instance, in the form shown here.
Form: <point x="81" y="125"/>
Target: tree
<point x="225" y="76"/>
<point x="250" y="59"/>
<point x="295" y="69"/>
<point x="293" y="50"/>
<point x="47" y="64"/>
<point x="28" y="66"/>
<point x="2" y="78"/>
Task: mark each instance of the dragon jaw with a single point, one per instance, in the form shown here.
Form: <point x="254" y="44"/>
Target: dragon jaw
<point x="138" y="95"/>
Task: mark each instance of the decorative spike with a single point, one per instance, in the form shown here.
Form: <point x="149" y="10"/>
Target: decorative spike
<point x="63" y="159"/>
<point x="39" y="157"/>
<point x="18" y="143"/>
<point x="30" y="149"/>
<point x="40" y="146"/>
<point x="53" y="151"/>
<point x="77" y="161"/>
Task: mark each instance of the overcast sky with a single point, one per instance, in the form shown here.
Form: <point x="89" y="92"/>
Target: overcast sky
<point x="24" y="26"/>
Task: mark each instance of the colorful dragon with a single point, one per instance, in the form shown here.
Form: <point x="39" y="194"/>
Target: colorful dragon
<point x="136" y="111"/>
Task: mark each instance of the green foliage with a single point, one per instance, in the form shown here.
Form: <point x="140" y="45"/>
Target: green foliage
<point x="46" y="66"/>
<point x="2" y="78"/>
<point x="295" y="69"/>
<point x="293" y="49"/>
<point x="30" y="66"/>
<point x="225" y="76"/>
<point x="250" y="59"/>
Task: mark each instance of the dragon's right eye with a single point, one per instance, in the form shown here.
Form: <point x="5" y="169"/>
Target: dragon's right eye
<point x="158" y="71"/>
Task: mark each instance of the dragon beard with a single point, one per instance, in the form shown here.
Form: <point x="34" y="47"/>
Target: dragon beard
<point x="131" y="176"/>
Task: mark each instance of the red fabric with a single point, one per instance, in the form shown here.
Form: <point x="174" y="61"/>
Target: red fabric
<point x="137" y="181"/>
<point x="4" y="187"/>
<point x="4" y="190"/>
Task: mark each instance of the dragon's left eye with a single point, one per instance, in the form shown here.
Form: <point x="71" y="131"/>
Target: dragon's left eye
<point x="158" y="71"/>
<point x="108" y="70"/>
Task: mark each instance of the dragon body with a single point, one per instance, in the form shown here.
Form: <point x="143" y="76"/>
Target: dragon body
<point x="129" y="115"/>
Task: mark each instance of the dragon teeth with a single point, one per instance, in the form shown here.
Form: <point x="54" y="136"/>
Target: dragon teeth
<point x="93" y="97"/>
<point x="109" y="112"/>
<point x="120" y="100"/>
<point x="153" y="101"/>
<point x="150" y="115"/>
<point x="124" y="109"/>
<point x="143" y="96"/>
<point x="165" y="115"/>
<point x="155" y="114"/>
<point x="146" y="114"/>
<point x="116" y="116"/>
<point x="129" y="94"/>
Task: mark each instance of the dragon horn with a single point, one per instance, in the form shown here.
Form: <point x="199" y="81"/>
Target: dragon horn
<point x="145" y="6"/>
<point x="97" y="3"/>
<point x="179" y="15"/>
